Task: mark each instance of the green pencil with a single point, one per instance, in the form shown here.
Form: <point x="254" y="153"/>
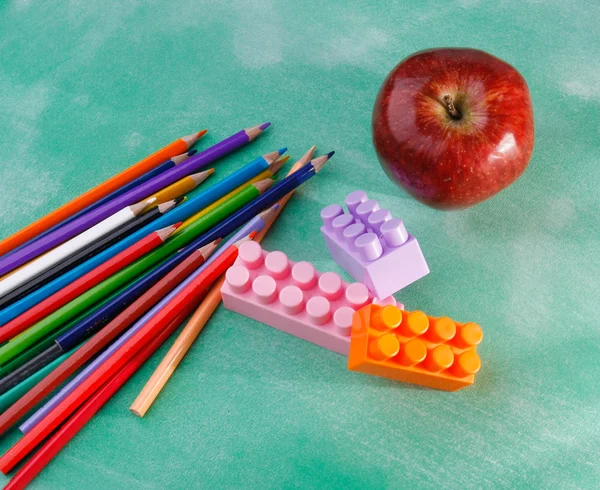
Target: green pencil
<point x="53" y="321"/>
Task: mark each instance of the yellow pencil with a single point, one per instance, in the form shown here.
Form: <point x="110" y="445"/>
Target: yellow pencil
<point x="181" y="187"/>
<point x="198" y="320"/>
<point x="265" y="174"/>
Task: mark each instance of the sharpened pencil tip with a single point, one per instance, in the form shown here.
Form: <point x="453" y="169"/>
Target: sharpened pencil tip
<point x="281" y="151"/>
<point x="179" y="200"/>
<point x="192" y="152"/>
<point x="178" y="224"/>
<point x="208" y="250"/>
<point x="263" y="185"/>
<point x="190" y="139"/>
<point x="264" y="126"/>
<point x="330" y="154"/>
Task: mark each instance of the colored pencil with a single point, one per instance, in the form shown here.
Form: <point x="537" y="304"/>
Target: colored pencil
<point x="83" y="285"/>
<point x="72" y="246"/>
<point x="265" y="174"/>
<point x="92" y="322"/>
<point x="65" y="433"/>
<point x="90" y="251"/>
<point x="181" y="187"/>
<point x="176" y="147"/>
<point x="226" y="227"/>
<point x="169" y="278"/>
<point x="177" y="159"/>
<point x="201" y="316"/>
<point x="88" y="220"/>
<point x="182" y="305"/>
<point x="80" y="303"/>
<point x="16" y="392"/>
<point x="183" y="211"/>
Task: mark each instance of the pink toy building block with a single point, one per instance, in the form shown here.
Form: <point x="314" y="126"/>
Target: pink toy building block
<point x="294" y="297"/>
<point x="371" y="246"/>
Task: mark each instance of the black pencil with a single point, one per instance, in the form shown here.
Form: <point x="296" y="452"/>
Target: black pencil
<point x="81" y="256"/>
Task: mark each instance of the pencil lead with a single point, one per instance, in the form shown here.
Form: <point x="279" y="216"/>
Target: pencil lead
<point x="141" y="206"/>
<point x="165" y="207"/>
<point x="281" y="151"/>
<point x="330" y="154"/>
<point x="191" y="153"/>
<point x="179" y="200"/>
<point x="190" y="139"/>
<point x="200" y="177"/>
<point x="208" y="250"/>
<point x="255" y="131"/>
<point x="263" y="185"/>
<point x="277" y="164"/>
<point x="166" y="232"/>
<point x="245" y="239"/>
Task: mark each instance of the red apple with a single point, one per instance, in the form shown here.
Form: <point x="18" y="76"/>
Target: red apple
<point x="453" y="126"/>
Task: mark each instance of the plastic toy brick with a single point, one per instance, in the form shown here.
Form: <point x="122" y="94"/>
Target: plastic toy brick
<point x="294" y="297"/>
<point x="371" y="246"/>
<point x="414" y="348"/>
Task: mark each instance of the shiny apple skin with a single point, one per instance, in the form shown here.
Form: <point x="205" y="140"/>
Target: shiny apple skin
<point x="450" y="164"/>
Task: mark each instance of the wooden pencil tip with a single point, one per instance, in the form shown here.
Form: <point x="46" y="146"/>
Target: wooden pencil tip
<point x="141" y="206"/>
<point x="263" y="185"/>
<point x="209" y="249"/>
<point x="200" y="177"/>
<point x="190" y="139"/>
<point x="167" y="206"/>
<point x="166" y="232"/>
<point x="177" y="159"/>
<point x="318" y="163"/>
<point x="245" y="239"/>
<point x="307" y="157"/>
<point x="255" y="131"/>
<point x="275" y="166"/>
<point x="269" y="215"/>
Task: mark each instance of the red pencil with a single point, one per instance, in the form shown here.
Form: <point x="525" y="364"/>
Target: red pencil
<point x="101" y="339"/>
<point x="61" y="438"/>
<point x="182" y="304"/>
<point x="89" y="280"/>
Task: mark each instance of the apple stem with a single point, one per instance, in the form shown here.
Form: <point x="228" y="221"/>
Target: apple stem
<point x="449" y="103"/>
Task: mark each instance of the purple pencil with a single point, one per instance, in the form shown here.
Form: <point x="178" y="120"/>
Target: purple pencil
<point x="73" y="228"/>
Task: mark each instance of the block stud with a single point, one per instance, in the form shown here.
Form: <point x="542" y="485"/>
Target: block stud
<point x="277" y="265"/>
<point x="386" y="318"/>
<point x="394" y="233"/>
<point x="265" y="289"/>
<point x="412" y="353"/>
<point x="352" y="232"/>
<point x="365" y="209"/>
<point x="354" y="199"/>
<point x="468" y="335"/>
<point x="376" y="219"/>
<point x="369" y="247"/>
<point x="384" y="347"/>
<point x="357" y="295"/>
<point x="329" y="213"/>
<point x="439" y="358"/>
<point x="318" y="309"/>
<point x="291" y="299"/>
<point x="304" y="275"/>
<point x="339" y="224"/>
<point x="414" y="323"/>
<point x="330" y="285"/>
<point x="466" y="364"/>
<point x="250" y="254"/>
<point x="441" y="330"/>
<point x="238" y="278"/>
<point x="342" y="319"/>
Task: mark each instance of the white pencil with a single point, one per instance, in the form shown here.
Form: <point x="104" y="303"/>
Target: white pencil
<point x="35" y="267"/>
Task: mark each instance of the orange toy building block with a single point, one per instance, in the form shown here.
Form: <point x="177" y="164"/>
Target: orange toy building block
<point x="414" y="348"/>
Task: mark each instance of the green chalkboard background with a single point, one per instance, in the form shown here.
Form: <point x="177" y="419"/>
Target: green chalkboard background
<point x="87" y="88"/>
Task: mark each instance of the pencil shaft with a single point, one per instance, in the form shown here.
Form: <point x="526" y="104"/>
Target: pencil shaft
<point x="95" y="216"/>
<point x="175" y="148"/>
<point x="73" y="261"/>
<point x="180" y="213"/>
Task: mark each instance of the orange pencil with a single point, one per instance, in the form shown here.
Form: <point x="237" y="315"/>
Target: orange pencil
<point x="175" y="148"/>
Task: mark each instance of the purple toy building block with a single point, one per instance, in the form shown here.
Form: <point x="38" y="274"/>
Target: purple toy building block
<point x="371" y="246"/>
<point x="294" y="297"/>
